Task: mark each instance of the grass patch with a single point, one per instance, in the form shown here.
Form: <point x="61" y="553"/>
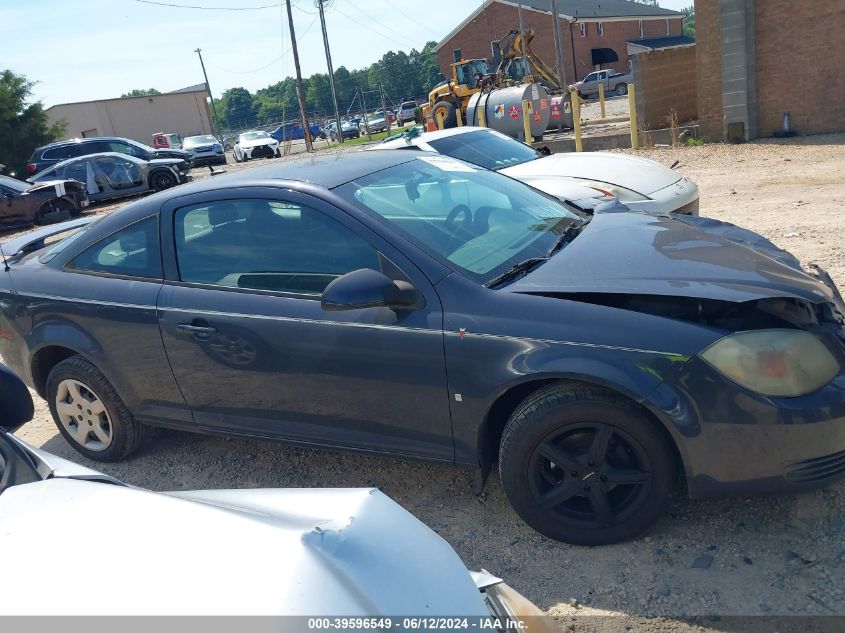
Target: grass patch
<point x="694" y="142"/>
<point x="378" y="136"/>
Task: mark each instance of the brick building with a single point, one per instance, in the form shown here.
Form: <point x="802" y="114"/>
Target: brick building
<point x="585" y="26"/>
<point x="757" y="59"/>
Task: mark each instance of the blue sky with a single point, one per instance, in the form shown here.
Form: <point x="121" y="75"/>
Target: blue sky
<point x="92" y="49"/>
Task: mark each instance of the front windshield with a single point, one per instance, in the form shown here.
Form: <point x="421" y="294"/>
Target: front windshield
<point x="477" y="221"/>
<point x="254" y="136"/>
<point x="13" y="184"/>
<point x="487" y="149"/>
<point x="195" y="141"/>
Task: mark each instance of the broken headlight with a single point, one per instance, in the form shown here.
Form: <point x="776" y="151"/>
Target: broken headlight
<point x="783" y="363"/>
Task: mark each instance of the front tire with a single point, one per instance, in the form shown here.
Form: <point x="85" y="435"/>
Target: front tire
<point x="54" y="211"/>
<point x="162" y="180"/>
<point x="622" y="89"/>
<point x="450" y="119"/>
<point x="584" y="466"/>
<point x="89" y="413"/>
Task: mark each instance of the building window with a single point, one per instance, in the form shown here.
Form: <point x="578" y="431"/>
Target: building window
<point x="600" y="29"/>
<point x="667" y="26"/>
<point x="641" y="29"/>
<point x="583" y="29"/>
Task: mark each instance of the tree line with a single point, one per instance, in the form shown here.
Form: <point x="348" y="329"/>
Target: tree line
<point x="401" y="75"/>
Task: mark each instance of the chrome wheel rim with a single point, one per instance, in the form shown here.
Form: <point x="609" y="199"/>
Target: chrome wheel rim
<point x="83" y="415"/>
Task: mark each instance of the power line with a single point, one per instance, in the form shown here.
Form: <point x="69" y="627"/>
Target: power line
<point x="204" y="8"/>
<point x="278" y="59"/>
<point x="367" y="26"/>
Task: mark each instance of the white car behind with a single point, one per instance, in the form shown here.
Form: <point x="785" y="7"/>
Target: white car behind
<point x="255" y="144"/>
<point x="584" y="177"/>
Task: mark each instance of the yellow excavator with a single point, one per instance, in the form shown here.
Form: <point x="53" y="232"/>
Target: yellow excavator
<point x="511" y="50"/>
<point x="449" y="99"/>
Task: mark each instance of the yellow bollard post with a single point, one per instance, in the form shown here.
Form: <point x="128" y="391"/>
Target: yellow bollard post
<point x="526" y="121"/>
<point x="440" y="117"/>
<point x="601" y="99"/>
<point x="576" y="119"/>
<point x="632" y="113"/>
<point x="479" y="109"/>
<point x="459" y="119"/>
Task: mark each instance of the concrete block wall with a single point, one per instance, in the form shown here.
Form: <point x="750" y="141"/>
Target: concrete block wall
<point x="665" y="80"/>
<point x="708" y="61"/>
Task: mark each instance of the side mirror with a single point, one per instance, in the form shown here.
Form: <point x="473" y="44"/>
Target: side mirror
<point x="16" y="406"/>
<point x="367" y="288"/>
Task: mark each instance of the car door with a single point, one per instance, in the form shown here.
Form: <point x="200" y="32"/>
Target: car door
<point x="12" y="206"/>
<point x="254" y="352"/>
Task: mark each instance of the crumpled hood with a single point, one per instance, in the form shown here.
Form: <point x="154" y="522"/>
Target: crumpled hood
<point x="257" y="142"/>
<point x="642" y="253"/>
<point x="637" y="174"/>
<point x="271" y="552"/>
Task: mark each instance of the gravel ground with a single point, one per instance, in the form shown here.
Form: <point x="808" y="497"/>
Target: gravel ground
<point x="711" y="559"/>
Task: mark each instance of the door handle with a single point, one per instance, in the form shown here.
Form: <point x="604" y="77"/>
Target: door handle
<point x="198" y="330"/>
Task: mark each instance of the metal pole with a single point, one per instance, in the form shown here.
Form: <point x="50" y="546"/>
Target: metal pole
<point x="198" y="51"/>
<point x="364" y="114"/>
<point x="521" y="31"/>
<point x="384" y="109"/>
<point x="306" y="130"/>
<point x="561" y="69"/>
<point x="331" y="70"/>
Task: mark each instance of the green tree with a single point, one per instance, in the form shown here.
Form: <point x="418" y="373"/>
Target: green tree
<point x="689" y="20"/>
<point x="318" y="95"/>
<point x="141" y="92"/>
<point x="429" y="69"/>
<point x="23" y="125"/>
<point x="237" y="109"/>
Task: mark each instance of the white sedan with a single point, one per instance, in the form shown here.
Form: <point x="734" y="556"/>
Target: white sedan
<point x="255" y="144"/>
<point x="585" y="179"/>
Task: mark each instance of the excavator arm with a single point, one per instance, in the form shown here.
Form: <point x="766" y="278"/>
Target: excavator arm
<point x="515" y="45"/>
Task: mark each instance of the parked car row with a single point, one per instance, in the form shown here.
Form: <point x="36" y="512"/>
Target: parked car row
<point x="419" y="304"/>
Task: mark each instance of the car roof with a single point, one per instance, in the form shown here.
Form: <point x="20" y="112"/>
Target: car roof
<point x="427" y="137"/>
<point x="89" y="139"/>
<point x="328" y="170"/>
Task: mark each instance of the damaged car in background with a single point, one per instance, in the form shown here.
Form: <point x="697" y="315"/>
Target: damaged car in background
<point x="46" y="202"/>
<point x="412" y="304"/>
<point x="113" y="175"/>
<point x="350" y="552"/>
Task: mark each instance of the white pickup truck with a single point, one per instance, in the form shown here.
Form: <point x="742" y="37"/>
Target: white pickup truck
<point x="613" y="81"/>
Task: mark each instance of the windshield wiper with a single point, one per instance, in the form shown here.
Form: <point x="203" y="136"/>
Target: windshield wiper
<point x="518" y="270"/>
<point x="571" y="232"/>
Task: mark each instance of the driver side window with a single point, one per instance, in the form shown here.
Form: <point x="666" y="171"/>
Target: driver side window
<point x="266" y="245"/>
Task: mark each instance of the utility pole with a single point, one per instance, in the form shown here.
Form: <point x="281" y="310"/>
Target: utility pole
<point x="561" y="69"/>
<point x="306" y="130"/>
<point x="320" y="4"/>
<point x="208" y="87"/>
<point x="364" y="113"/>
<point x="384" y="109"/>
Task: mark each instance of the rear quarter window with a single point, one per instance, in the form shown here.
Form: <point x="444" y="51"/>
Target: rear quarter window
<point x="132" y="251"/>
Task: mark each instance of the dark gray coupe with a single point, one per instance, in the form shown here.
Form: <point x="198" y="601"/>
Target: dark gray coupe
<point x="419" y="306"/>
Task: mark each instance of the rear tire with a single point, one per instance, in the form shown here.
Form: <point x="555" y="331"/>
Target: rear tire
<point x="584" y="466"/>
<point x="161" y="180"/>
<point x="53" y="211"/>
<point x="89" y="413"/>
<point x="621" y="89"/>
<point x="451" y="117"/>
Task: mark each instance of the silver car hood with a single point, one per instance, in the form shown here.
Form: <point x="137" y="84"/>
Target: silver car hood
<point x="257" y="142"/>
<point x="637" y="174"/>
<point x="267" y="552"/>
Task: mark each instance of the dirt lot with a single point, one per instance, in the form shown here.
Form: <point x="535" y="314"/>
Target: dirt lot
<point x="761" y="556"/>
